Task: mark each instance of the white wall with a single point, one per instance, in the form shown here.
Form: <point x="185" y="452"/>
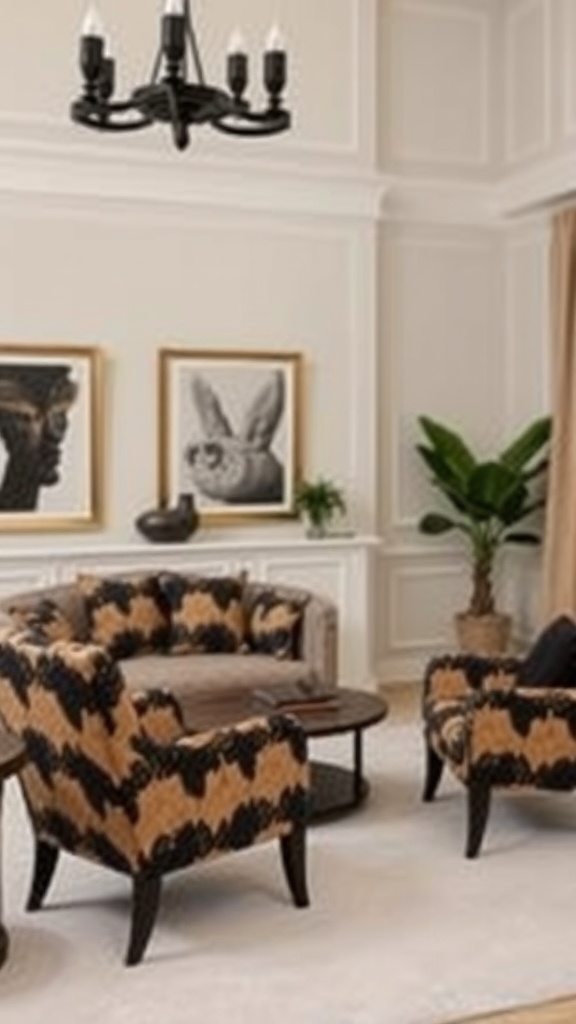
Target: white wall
<point x="390" y="237"/>
<point x="126" y="244"/>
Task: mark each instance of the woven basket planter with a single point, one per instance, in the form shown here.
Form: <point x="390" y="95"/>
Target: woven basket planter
<point x="483" y="634"/>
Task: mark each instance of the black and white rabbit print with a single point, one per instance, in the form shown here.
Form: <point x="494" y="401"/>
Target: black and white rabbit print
<point x="237" y="466"/>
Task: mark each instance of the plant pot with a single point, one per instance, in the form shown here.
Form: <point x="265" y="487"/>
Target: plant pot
<point x="486" y="635"/>
<point x="314" y="531"/>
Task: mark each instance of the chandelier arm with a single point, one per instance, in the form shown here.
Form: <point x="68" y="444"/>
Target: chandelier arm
<point x="191" y="33"/>
<point x="94" y="114"/>
<point x="247" y="122"/>
<point x="156" y="66"/>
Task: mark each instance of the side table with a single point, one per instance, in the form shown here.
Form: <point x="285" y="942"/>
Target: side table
<point x="12" y="757"/>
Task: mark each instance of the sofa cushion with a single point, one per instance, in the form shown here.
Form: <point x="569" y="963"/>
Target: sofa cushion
<point x="205" y="675"/>
<point x="206" y="613"/>
<point x="45" y="619"/>
<point x="125" y="613"/>
<point x="551" y="661"/>
<point x="274" y="625"/>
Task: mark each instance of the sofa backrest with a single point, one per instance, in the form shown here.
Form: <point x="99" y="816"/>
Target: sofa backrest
<point x="66" y="596"/>
<point x="318" y="637"/>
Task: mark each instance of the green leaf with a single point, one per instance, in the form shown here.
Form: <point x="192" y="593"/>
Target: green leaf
<point x="449" y="447"/>
<point x="526" y="446"/>
<point x="434" y="524"/>
<point x="519" y="537"/>
<point x="490" y="486"/>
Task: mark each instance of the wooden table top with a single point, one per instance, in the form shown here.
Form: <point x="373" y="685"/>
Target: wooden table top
<point x="357" y="709"/>
<point x="12" y="755"/>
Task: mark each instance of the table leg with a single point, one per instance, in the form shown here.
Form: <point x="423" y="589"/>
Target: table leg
<point x="358" y="784"/>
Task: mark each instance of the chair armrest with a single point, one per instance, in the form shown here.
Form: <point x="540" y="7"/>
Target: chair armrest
<point x="221" y="790"/>
<point x="451" y="677"/>
<point x="159" y="713"/>
<point x="319" y="639"/>
<point x="524" y="736"/>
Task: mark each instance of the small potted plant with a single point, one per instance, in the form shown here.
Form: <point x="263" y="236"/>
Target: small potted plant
<point x="318" y="501"/>
<point x="487" y="500"/>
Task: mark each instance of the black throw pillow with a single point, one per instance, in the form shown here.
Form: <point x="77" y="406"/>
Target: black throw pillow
<point x="551" y="660"/>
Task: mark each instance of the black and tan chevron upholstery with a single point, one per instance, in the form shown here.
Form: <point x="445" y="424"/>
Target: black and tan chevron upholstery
<point x="113" y="777"/>
<point x="125" y="614"/>
<point x="44" y="618"/>
<point x="206" y="613"/>
<point x="494" y="733"/>
<point x="274" y="625"/>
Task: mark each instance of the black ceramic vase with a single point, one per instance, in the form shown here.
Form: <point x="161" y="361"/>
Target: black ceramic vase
<point x="169" y="525"/>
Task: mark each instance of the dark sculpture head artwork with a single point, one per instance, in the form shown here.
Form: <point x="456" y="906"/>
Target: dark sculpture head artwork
<point x="238" y="467"/>
<point x="34" y="404"/>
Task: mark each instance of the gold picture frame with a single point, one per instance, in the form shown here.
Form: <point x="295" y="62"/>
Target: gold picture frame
<point x="51" y="440"/>
<point x="230" y="431"/>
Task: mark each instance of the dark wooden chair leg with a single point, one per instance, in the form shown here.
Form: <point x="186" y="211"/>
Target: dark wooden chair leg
<point x="434" y="768"/>
<point x="45" y="860"/>
<point x="145" y="902"/>
<point x="293" y="850"/>
<point x="478" y="810"/>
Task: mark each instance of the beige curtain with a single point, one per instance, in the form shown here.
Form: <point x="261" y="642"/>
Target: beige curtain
<point x="560" y="532"/>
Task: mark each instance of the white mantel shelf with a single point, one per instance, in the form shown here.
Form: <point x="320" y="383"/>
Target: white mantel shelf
<point x="338" y="567"/>
<point x="193" y="547"/>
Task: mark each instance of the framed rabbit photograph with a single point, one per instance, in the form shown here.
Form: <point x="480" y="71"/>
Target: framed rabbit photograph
<point x="230" y="431"/>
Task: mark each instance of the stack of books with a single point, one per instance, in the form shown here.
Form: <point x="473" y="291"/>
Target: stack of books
<point x="301" y="696"/>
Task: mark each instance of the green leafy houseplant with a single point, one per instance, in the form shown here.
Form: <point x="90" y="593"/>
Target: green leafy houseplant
<point x="488" y="499"/>
<point x="318" y="501"/>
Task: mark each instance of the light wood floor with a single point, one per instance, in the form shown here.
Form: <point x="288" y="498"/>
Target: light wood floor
<point x="558" y="1011"/>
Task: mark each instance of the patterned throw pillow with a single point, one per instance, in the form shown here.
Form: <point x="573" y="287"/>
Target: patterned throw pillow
<point x="206" y="613"/>
<point x="274" y="625"/>
<point x="125" y="614"/>
<point x="44" y="619"/>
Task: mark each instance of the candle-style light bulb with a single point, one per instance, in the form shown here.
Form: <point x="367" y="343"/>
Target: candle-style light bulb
<point x="236" y="43"/>
<point x="275" y="42"/>
<point x="173" y="34"/>
<point x="237" y="65"/>
<point x="92" y="24"/>
<point x="91" y="51"/>
<point x="275" y="66"/>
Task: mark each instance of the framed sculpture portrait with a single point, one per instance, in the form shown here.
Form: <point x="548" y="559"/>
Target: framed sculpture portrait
<point x="230" y="431"/>
<point x="50" y="437"/>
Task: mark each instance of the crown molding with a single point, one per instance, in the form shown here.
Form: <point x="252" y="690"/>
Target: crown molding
<point x="424" y="201"/>
<point x="35" y="161"/>
<point x="536" y="188"/>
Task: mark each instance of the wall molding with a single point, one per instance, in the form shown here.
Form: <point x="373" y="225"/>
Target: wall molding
<point x="535" y="189"/>
<point x="59" y="173"/>
<point x="426" y="201"/>
<point x="443" y="11"/>
<point x="514" y="154"/>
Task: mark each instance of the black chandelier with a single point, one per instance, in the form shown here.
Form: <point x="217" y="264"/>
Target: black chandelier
<point x="169" y="96"/>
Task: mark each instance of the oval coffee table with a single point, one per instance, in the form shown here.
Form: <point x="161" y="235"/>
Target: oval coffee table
<point x="335" y="789"/>
<point x="12" y="757"/>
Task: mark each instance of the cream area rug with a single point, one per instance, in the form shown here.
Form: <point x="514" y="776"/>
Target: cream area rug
<point x="402" y="928"/>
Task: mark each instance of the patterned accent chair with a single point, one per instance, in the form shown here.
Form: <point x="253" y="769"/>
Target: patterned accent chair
<point x="495" y="734"/>
<point x="112" y="776"/>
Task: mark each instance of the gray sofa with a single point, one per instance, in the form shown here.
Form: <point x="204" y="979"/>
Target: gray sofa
<point x="197" y="678"/>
